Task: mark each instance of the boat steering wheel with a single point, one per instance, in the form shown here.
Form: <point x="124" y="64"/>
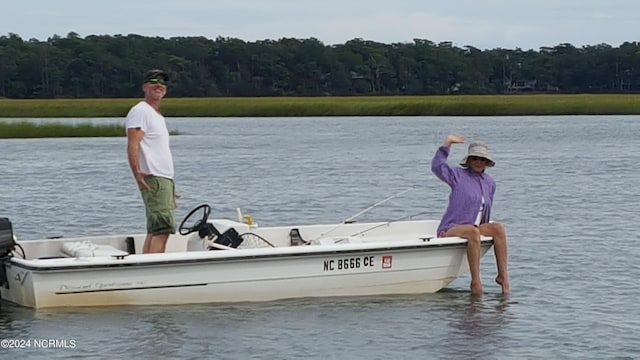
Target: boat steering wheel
<point x="184" y="229"/>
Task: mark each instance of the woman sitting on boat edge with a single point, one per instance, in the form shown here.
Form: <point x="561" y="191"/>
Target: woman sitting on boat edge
<point x="469" y="209"/>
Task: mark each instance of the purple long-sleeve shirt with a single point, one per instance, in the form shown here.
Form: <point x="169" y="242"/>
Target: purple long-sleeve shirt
<point x="467" y="189"/>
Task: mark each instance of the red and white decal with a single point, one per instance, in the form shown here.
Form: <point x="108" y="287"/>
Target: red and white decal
<point x="387" y="261"/>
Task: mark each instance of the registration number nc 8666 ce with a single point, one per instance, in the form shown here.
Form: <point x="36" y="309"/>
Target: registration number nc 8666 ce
<point x="349" y="263"/>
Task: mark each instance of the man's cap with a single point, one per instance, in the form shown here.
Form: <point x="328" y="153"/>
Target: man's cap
<point x="155" y="74"/>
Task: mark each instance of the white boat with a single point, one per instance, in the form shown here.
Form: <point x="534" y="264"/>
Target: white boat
<point x="222" y="260"/>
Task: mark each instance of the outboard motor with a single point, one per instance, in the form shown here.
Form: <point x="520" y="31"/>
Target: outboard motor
<point x="7" y="244"/>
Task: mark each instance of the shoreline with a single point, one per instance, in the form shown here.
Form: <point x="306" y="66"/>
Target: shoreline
<point x="448" y="105"/>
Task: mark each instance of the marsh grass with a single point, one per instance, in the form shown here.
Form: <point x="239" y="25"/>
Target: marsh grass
<point x="454" y="105"/>
<point x="26" y="129"/>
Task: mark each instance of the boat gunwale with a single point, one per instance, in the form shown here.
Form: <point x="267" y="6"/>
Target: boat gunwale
<point x="179" y="258"/>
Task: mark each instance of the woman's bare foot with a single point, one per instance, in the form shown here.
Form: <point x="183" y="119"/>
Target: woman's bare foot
<point x="503" y="281"/>
<point x="476" y="288"/>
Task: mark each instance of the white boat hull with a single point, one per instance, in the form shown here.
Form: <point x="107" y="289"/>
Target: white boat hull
<point x="384" y="261"/>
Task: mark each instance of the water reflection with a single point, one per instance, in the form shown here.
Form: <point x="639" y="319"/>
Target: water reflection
<point x="162" y="329"/>
<point x="466" y="319"/>
<point x="481" y="315"/>
<point x="476" y="315"/>
<point x="14" y="321"/>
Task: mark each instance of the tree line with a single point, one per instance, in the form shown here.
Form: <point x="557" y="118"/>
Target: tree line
<point x="104" y="66"/>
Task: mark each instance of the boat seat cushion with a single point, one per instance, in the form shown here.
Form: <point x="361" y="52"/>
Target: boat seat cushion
<point x="89" y="249"/>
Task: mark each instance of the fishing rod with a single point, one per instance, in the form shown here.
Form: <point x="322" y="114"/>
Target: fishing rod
<point x="351" y="218"/>
<point x="406" y="217"/>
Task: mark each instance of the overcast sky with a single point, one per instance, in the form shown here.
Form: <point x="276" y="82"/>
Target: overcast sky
<point x="484" y="24"/>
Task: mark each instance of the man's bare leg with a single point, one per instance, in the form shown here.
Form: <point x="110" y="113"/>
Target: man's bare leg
<point x="147" y="243"/>
<point x="472" y="234"/>
<point x="155" y="243"/>
<point x="498" y="232"/>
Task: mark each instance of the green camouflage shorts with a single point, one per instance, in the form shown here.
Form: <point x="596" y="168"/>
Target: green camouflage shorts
<point x="160" y="205"/>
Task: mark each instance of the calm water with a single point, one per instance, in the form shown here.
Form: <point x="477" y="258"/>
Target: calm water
<point x="567" y="190"/>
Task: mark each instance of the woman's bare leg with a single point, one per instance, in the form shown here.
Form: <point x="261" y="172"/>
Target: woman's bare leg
<point x="472" y="234"/>
<point x="499" y="234"/>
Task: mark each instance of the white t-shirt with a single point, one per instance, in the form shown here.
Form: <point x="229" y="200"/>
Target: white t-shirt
<point x="155" y="154"/>
<point x="479" y="216"/>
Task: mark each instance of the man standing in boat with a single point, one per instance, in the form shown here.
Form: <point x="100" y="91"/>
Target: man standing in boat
<point x="151" y="161"/>
<point x="469" y="210"/>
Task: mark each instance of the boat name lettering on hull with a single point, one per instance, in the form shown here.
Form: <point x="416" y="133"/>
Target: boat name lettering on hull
<point x="349" y="263"/>
<point x="100" y="286"/>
